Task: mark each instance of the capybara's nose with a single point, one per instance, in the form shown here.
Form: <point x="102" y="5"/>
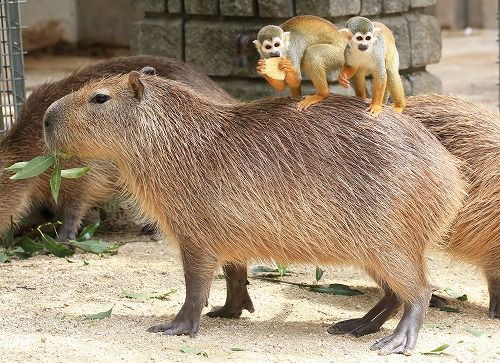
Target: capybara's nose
<point x="49" y="119"/>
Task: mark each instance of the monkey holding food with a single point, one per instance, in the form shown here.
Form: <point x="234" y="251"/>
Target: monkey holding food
<point x="307" y="43"/>
<point x="371" y="49"/>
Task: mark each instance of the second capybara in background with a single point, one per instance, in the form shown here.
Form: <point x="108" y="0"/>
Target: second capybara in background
<point x="25" y="141"/>
<point x="262" y="180"/>
<point x="472" y="133"/>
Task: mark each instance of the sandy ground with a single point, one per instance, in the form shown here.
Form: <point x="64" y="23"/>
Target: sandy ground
<point x="42" y="299"/>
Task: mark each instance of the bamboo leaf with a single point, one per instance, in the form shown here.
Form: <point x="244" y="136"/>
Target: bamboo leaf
<point x="449" y="309"/>
<point x="193" y="351"/>
<point x="54" y="247"/>
<point x="319" y="273"/>
<point x="75" y="172"/>
<point x="162" y="295"/>
<point x="30" y="246"/>
<point x="101" y="315"/>
<point x="35" y="167"/>
<point x="439" y="349"/>
<point x="88" y="231"/>
<point x="17" y="166"/>
<point x="95" y="246"/>
<point x="336" y="289"/>
<point x="55" y="182"/>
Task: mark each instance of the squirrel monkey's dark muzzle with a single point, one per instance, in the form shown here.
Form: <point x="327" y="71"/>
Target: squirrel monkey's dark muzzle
<point x="363" y="47"/>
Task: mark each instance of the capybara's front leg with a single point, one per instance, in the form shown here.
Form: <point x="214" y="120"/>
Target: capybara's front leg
<point x="372" y="321"/>
<point x="404" y="338"/>
<point x="494" y="290"/>
<point x="237" y="297"/>
<point x="199" y="267"/>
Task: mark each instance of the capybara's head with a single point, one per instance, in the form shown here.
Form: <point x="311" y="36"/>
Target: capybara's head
<point x="96" y="118"/>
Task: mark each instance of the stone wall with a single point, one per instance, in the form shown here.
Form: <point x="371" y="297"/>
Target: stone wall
<point x="204" y="32"/>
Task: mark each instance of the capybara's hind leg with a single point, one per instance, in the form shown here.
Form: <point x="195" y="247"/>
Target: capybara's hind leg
<point x="372" y="321"/>
<point x="404" y="338"/>
<point x="198" y="272"/>
<point x="494" y="290"/>
<point x="237" y="297"/>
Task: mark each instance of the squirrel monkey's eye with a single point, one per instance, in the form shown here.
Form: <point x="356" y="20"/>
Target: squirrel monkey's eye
<point x="359" y="37"/>
<point x="276" y="45"/>
<point x="268" y="46"/>
<point x="100" y="98"/>
<point x="368" y="37"/>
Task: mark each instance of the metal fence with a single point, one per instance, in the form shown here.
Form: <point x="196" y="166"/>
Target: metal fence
<point x="12" y="93"/>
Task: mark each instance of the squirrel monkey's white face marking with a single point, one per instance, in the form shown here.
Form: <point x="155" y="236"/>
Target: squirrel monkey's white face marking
<point x="272" y="46"/>
<point x="362" y="42"/>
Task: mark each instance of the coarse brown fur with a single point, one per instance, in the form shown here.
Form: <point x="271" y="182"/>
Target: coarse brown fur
<point x="25" y="141"/>
<point x="263" y="181"/>
<point x="471" y="133"/>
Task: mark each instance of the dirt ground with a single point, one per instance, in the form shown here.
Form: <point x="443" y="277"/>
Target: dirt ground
<point x="43" y="299"/>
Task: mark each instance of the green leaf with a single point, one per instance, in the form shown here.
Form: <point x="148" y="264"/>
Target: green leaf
<point x="75" y="172"/>
<point x="35" y="167"/>
<point x="55" y="182"/>
<point x="282" y="269"/>
<point x="455" y="294"/>
<point x="336" y="289"/>
<point x="54" y="247"/>
<point x="4" y="257"/>
<point x="439" y="349"/>
<point x="19" y="252"/>
<point x="88" y="231"/>
<point x="449" y="309"/>
<point x="475" y="332"/>
<point x="101" y="315"/>
<point x="85" y="263"/>
<point x="95" y="246"/>
<point x="17" y="166"/>
<point x="236" y="349"/>
<point x="69" y="261"/>
<point x="8" y="237"/>
<point x="319" y="273"/>
<point x="193" y="351"/>
<point x="162" y="295"/>
<point x="30" y="246"/>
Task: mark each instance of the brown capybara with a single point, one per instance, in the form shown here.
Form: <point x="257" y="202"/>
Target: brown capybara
<point x="472" y="133"/>
<point x="25" y="141"/>
<point x="261" y="180"/>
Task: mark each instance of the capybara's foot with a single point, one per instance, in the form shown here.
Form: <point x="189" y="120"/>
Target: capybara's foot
<point x="404" y="338"/>
<point x="237" y="297"/>
<point x="372" y="321"/>
<point x="177" y="327"/>
<point x="308" y="101"/>
<point x="438" y="301"/>
<point x="494" y="290"/>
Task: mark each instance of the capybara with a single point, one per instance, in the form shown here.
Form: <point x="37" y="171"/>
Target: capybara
<point x="24" y="141"/>
<point x="261" y="180"/>
<point x="472" y="133"/>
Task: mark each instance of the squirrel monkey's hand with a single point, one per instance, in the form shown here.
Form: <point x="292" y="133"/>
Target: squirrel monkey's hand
<point x="343" y="79"/>
<point x="291" y="75"/>
<point x="261" y="67"/>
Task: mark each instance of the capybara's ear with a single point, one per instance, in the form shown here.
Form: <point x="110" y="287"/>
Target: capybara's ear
<point x="150" y="71"/>
<point x="136" y="84"/>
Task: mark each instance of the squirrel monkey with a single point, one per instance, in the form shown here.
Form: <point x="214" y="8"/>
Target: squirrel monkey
<point x="371" y="49"/>
<point x="306" y="42"/>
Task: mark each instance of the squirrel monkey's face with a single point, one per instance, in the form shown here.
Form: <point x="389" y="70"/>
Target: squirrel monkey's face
<point x="362" y="41"/>
<point x="272" y="46"/>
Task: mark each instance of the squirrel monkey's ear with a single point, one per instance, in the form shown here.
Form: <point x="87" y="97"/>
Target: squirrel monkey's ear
<point x="136" y="84"/>
<point x="257" y="44"/>
<point x="286" y="39"/>
<point x="346" y="33"/>
<point x="377" y="30"/>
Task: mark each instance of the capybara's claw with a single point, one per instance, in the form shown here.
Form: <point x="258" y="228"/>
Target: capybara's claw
<point x="397" y="343"/>
<point x="438" y="301"/>
<point x="176" y="328"/>
<point x="232" y="311"/>
<point x="354" y="327"/>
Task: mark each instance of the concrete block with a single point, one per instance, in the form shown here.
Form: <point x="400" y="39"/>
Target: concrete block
<point x="151" y="6"/>
<point x="395" y="6"/>
<point x="422" y="3"/>
<point x="424" y="82"/>
<point x="328" y="8"/>
<point x="237" y="8"/>
<point x="158" y="36"/>
<point x="211" y="47"/>
<point x="174" y="6"/>
<point x="371" y="7"/>
<point x="201" y="7"/>
<point x="425" y="35"/>
<point x="276" y="8"/>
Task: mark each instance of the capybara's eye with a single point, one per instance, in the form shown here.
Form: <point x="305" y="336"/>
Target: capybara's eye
<point x="268" y="46"/>
<point x="368" y="37"/>
<point x="359" y="38"/>
<point x="100" y="98"/>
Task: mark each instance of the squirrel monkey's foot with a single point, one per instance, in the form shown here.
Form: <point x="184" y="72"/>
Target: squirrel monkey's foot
<point x="398" y="109"/>
<point x="309" y="101"/>
<point x="375" y="109"/>
<point x="343" y="80"/>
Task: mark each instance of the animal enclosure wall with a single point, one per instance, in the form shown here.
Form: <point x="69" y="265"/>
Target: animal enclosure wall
<point x="204" y="34"/>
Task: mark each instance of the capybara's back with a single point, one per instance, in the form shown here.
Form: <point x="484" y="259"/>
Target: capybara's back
<point x="472" y="133"/>
<point x="25" y="141"/>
